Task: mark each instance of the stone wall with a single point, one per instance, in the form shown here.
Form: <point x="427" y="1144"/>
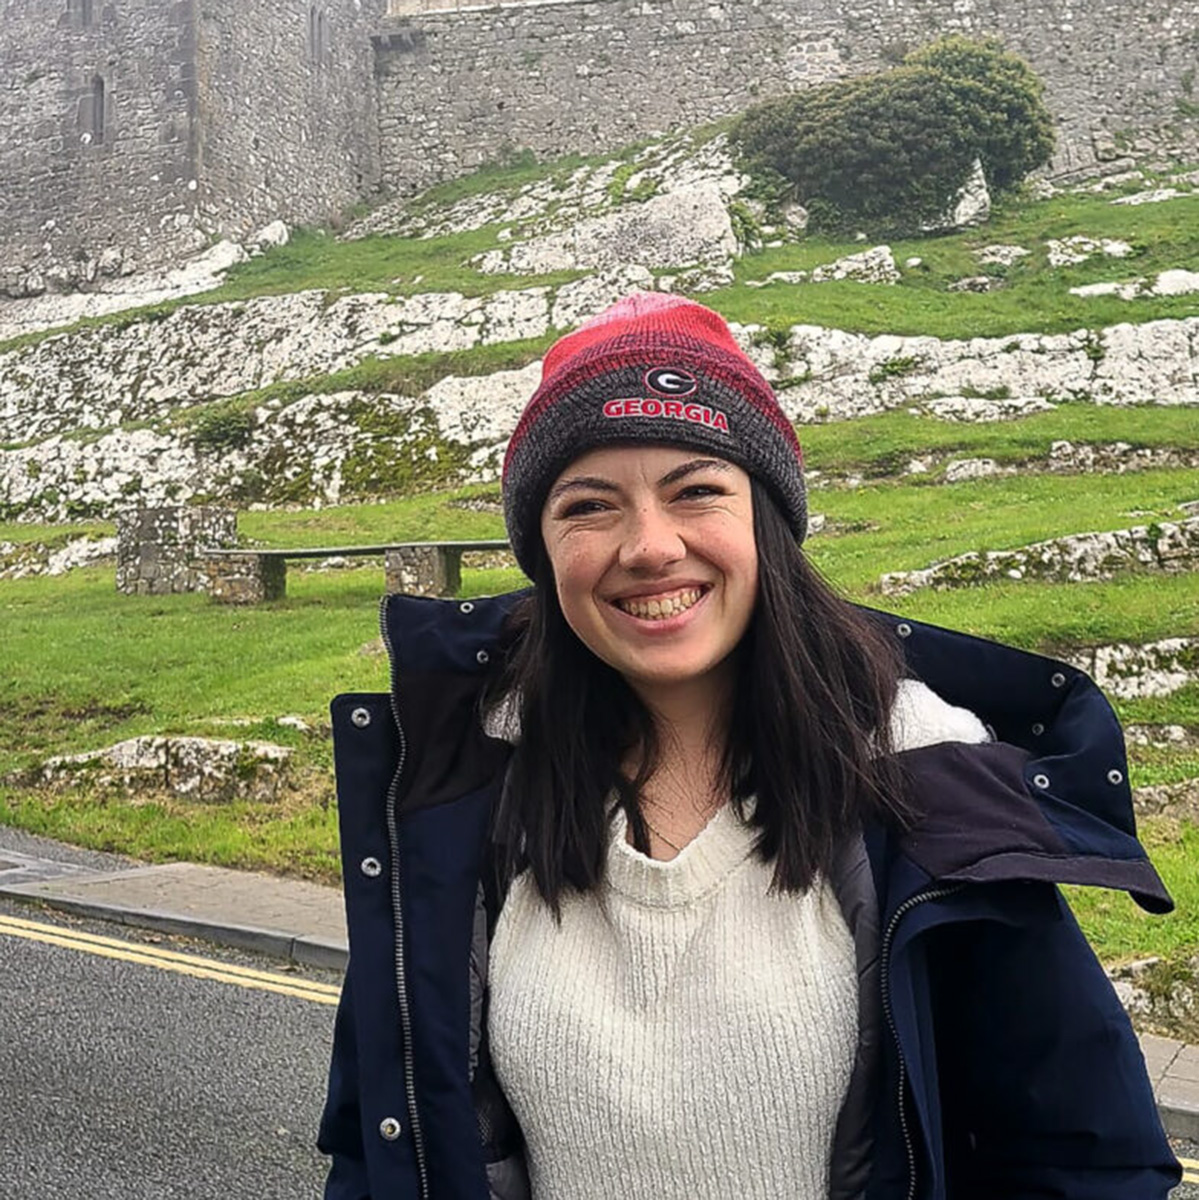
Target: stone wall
<point x="457" y="88"/>
<point x="286" y="110"/>
<point x="157" y="547"/>
<point x="97" y="165"/>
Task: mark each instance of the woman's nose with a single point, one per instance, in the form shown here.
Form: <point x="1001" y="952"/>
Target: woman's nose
<point x="652" y="541"/>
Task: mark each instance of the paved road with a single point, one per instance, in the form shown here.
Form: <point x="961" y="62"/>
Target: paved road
<point x="139" y="1079"/>
<point x="134" y="1065"/>
<point x="1188" y="1152"/>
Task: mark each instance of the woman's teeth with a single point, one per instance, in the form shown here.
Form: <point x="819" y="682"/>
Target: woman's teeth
<point x="661" y="607"/>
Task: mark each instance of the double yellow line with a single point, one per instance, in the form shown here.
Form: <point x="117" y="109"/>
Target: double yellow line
<point x="169" y="960"/>
<point x="1190" y="1170"/>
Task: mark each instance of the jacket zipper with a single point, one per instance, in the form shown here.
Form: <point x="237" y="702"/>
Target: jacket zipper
<point x="885" y="984"/>
<point x="393" y="838"/>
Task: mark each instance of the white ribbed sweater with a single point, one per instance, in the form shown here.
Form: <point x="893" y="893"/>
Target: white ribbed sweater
<point x="657" y="1045"/>
<point x="684" y="1033"/>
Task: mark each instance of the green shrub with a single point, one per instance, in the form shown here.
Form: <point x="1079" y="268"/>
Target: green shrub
<point x="221" y="427"/>
<point x="892" y="148"/>
<point x="1001" y="100"/>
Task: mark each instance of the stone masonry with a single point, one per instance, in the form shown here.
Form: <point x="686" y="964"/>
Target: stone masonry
<point x="423" y="571"/>
<point x="157" y="547"/>
<point x="458" y="88"/>
<point x="130" y="130"/>
<point x="245" y="578"/>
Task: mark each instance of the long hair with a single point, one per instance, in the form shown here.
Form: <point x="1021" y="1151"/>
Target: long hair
<point x="808" y="737"/>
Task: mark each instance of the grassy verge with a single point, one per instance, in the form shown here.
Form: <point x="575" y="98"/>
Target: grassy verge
<point x="297" y="836"/>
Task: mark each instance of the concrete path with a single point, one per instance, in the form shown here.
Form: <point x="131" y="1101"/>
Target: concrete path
<point x="305" y="922"/>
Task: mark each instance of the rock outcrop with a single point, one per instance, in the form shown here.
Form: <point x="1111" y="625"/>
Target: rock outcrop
<point x="1168" y="546"/>
<point x="205" y="770"/>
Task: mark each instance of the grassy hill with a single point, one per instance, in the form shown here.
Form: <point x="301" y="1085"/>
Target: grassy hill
<point x="86" y="667"/>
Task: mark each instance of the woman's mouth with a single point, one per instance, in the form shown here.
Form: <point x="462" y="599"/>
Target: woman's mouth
<point x="660" y="608"/>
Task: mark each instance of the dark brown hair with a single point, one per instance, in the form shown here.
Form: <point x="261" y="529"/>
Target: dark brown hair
<point x="808" y="738"/>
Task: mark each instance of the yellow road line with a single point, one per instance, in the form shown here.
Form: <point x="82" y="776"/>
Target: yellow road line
<point x="1189" y="1164"/>
<point x="155" y="952"/>
<point x="168" y="960"/>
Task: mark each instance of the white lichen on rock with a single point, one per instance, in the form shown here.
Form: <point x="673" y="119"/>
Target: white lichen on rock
<point x="202" y="769"/>
<point x="1168" y="547"/>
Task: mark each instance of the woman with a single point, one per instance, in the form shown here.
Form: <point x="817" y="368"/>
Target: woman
<point x="680" y="877"/>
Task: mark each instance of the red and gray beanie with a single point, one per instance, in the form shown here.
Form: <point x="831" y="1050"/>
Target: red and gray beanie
<point x="652" y="368"/>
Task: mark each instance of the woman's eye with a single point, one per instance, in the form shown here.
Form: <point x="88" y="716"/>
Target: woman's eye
<point x="582" y="508"/>
<point x="699" y="491"/>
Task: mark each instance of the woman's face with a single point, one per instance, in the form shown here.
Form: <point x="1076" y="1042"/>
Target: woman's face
<point x="654" y="561"/>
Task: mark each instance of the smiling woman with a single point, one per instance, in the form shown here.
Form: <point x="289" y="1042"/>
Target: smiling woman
<point x="705" y="883"/>
<point x="655" y="565"/>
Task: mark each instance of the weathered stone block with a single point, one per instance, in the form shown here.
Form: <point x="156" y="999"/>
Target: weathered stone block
<point x="245" y="578"/>
<point x="199" y="769"/>
<point x="424" y="570"/>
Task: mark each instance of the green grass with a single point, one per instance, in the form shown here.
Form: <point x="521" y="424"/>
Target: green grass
<point x="1119" y="929"/>
<point x="54" y="535"/>
<point x="285" y="837"/>
<point x="911" y="526"/>
<point x="884" y="444"/>
<point x="1035" y="296"/>
<point x="312" y="261"/>
<point x="375" y="264"/>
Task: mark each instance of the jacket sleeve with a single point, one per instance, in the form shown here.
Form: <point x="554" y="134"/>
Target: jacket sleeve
<point x="1044" y="1088"/>
<point x="340" y="1133"/>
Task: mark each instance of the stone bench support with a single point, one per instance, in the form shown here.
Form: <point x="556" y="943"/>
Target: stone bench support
<point x="246" y="578"/>
<point x="418" y="568"/>
<point x="424" y="570"/>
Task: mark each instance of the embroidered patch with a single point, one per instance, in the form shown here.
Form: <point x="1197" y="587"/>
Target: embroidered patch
<point x="671" y="381"/>
<point x="647" y="406"/>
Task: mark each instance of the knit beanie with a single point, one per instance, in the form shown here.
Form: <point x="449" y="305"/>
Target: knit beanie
<point x="652" y="368"/>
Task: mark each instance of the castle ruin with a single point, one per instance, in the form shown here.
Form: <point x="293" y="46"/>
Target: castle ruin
<point x="133" y="131"/>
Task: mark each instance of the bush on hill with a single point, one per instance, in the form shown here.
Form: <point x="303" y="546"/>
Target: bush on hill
<point x="893" y="148"/>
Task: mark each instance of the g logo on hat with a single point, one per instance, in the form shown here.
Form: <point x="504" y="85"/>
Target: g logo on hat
<point x="671" y="381"/>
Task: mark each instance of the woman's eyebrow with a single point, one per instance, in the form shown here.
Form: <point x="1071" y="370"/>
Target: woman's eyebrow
<point x="689" y="468"/>
<point x="582" y="482"/>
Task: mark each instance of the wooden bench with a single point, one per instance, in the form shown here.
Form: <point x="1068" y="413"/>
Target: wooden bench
<point x="419" y="568"/>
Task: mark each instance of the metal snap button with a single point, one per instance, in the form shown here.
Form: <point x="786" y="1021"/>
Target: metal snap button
<point x="389" y="1129"/>
<point x="1041" y="781"/>
<point x="372" y="868"/>
<point x="1057" y="679"/>
<point x="1038" y="728"/>
<point x="483" y="657"/>
<point x="466" y="607"/>
<point x="361" y="717"/>
<point x="903" y="629"/>
<point x="1114" y="776"/>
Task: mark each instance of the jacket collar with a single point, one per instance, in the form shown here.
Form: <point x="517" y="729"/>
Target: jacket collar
<point x="1049" y="799"/>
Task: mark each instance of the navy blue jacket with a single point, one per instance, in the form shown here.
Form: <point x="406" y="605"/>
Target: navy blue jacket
<point x="994" y="1058"/>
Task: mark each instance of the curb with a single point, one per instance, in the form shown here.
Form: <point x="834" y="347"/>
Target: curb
<point x="302" y="949"/>
<point x="1179" y="1118"/>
